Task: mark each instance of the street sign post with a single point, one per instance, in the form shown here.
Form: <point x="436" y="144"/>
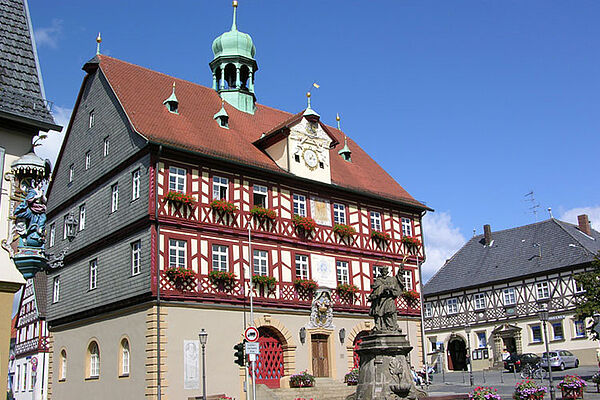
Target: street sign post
<point x="251" y="334"/>
<point x="252" y="348"/>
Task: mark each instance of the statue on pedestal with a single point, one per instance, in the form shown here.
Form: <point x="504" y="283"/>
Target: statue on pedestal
<point x="386" y="290"/>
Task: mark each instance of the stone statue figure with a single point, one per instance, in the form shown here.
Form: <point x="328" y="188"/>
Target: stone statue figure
<point x="383" y="301"/>
<point x="30" y="216"/>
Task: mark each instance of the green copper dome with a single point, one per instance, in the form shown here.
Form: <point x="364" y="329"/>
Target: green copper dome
<point x="234" y="42"/>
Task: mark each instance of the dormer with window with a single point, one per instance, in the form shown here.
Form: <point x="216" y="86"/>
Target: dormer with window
<point x="222" y="117"/>
<point x="172" y="103"/>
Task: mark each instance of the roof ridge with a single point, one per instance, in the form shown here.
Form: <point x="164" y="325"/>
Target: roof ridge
<point x="583" y="245"/>
<point x="516" y="227"/>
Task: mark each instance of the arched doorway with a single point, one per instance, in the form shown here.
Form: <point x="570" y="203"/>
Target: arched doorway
<point x="269" y="363"/>
<point x="357" y="341"/>
<point x="457" y="354"/>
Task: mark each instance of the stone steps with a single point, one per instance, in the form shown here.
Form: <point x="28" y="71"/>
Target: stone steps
<point x="324" y="389"/>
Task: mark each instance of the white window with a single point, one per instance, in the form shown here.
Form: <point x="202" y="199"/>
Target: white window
<point x="136" y="257"/>
<point x="63" y="366"/>
<point x="407" y="227"/>
<point x="343" y="276"/>
<point x="452" y="306"/>
<point x="536" y="333"/>
<point x="71" y="172"/>
<point x="557" y="331"/>
<point x="427" y="310"/>
<point x="93" y="274"/>
<point x="177" y="253"/>
<point x="260" y="261"/>
<point x="88" y="161"/>
<point x="220" y="188"/>
<point x="376" y="221"/>
<point x="579" y="329"/>
<point x="220" y="258"/>
<point x="543" y="290"/>
<point x="82" y="217"/>
<point x="479" y="301"/>
<point x="300" y="205"/>
<point x="177" y="179"/>
<point x="376" y="269"/>
<point x="114" y="204"/>
<point x="578" y="287"/>
<point x="94" y="360"/>
<point x="407" y="280"/>
<point x="56" y="289"/>
<point x="124" y="357"/>
<point x="260" y="196"/>
<point x="92" y="119"/>
<point x="106" y="146"/>
<point x="509" y="297"/>
<point x="301" y="267"/>
<point x="24" y="380"/>
<point x="52" y="234"/>
<point x="135" y="184"/>
<point x="481" y="340"/>
<point x="339" y="213"/>
<point x="17" y="376"/>
<point x="65" y="227"/>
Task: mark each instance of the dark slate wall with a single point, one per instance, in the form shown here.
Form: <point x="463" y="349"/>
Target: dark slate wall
<point x="110" y="121"/>
<point x="114" y="283"/>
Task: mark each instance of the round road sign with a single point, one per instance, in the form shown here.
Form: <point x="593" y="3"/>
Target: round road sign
<point x="251" y="334"/>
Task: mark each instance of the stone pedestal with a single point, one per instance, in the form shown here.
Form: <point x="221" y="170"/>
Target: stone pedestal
<point x="384" y="372"/>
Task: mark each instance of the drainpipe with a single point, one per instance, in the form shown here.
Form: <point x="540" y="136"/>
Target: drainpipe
<point x="158" y="375"/>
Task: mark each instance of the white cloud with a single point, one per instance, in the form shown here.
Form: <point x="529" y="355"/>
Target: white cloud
<point x="49" y="36"/>
<point x="442" y="239"/>
<point x="592" y="212"/>
<point x="49" y="147"/>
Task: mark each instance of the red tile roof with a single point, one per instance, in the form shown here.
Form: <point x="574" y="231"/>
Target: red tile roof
<point x="142" y="91"/>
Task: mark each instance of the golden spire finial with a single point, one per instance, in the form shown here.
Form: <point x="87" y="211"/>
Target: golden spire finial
<point x="308" y="98"/>
<point x="234" y="3"/>
<point x="337" y="118"/>
<point x="98" y="41"/>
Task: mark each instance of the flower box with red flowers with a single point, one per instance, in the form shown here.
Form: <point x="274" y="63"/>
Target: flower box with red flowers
<point x="484" y="393"/>
<point x="180" y="275"/>
<point x="410" y="295"/>
<point x="222" y="277"/>
<point x="182" y="198"/>
<point x="223" y="206"/>
<point x="344" y="231"/>
<point x="262" y="213"/>
<point x="529" y="390"/>
<point x="380" y="236"/>
<point x="411" y="241"/>
<point x="304" y="224"/>
<point x="306" y="284"/>
<point x="264" y="280"/>
<point x="571" y="387"/>
<point x="346" y="289"/>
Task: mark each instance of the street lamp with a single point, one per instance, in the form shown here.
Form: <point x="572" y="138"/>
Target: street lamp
<point x="543" y="314"/>
<point x="203" y="336"/>
<point x="468" y="332"/>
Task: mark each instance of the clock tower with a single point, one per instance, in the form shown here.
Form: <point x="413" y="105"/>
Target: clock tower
<point x="234" y="66"/>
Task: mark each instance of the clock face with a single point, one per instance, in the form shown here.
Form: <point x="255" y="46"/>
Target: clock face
<point x="310" y="158"/>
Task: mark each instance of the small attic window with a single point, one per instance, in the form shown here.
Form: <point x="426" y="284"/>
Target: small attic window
<point x="223" y="121"/>
<point x="172" y="103"/>
<point x="346" y="157"/>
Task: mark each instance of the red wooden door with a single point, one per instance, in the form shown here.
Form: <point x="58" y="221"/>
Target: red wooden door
<point x="357" y="341"/>
<point x="269" y="363"/>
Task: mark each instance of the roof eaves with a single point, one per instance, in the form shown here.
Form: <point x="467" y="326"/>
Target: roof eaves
<point x="35" y="123"/>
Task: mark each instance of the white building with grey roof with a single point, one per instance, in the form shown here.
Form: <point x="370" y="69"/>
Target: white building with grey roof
<point x="496" y="284"/>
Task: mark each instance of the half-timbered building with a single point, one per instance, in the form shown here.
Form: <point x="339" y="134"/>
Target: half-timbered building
<point x="488" y="296"/>
<point x="184" y="195"/>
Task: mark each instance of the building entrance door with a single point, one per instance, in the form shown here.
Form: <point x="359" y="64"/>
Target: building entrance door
<point x="320" y="356"/>
<point x="457" y="354"/>
<point x="510" y="344"/>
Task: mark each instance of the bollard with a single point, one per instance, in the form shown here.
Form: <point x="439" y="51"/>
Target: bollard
<point x="483" y="375"/>
<point x="501" y="376"/>
<point x="514" y="372"/>
<point x="463" y="376"/>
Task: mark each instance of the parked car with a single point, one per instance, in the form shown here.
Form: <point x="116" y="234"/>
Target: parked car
<point x="560" y="359"/>
<point x="518" y="361"/>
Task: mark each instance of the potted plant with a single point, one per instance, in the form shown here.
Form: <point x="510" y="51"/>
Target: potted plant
<point x="223" y="207"/>
<point x="411" y="241"/>
<point x="596" y="379"/>
<point x="344" y="231"/>
<point x="529" y="390"/>
<point x="380" y="237"/>
<point x="180" y="276"/>
<point x="263" y="280"/>
<point x="181" y="198"/>
<point x="347" y="290"/>
<point x="303" y="379"/>
<point x="306" y="284"/>
<point x="263" y="214"/>
<point x="571" y="387"/>
<point x="351" y="377"/>
<point x="304" y="225"/>
<point x="222" y="277"/>
<point x="484" y="393"/>
<point x="411" y="296"/>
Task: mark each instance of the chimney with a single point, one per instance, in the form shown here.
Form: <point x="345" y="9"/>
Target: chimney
<point x="584" y="224"/>
<point x="487" y="234"/>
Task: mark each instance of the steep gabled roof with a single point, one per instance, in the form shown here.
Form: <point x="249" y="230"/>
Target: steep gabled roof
<point x="21" y="91"/>
<point x="141" y="93"/>
<point x="515" y="253"/>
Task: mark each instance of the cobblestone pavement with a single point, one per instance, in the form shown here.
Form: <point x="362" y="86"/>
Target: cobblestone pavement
<point x="504" y="381"/>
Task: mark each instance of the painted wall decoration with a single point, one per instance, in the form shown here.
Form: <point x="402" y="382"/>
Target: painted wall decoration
<point x="191" y="370"/>
<point x="321" y="211"/>
<point x="323" y="270"/>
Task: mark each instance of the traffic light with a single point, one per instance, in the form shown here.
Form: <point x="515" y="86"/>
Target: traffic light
<point x="239" y="354"/>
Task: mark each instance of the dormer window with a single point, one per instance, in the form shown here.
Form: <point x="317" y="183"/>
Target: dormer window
<point x="222" y="117"/>
<point x="171" y="103"/>
<point x="345" y="152"/>
<point x="223" y="122"/>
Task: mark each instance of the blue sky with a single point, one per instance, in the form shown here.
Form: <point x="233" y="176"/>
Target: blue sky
<point x="469" y="105"/>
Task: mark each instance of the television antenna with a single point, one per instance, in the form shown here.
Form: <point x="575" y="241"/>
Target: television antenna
<point x="534" y="205"/>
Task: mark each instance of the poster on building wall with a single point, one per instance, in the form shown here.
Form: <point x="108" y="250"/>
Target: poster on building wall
<point x="320" y="211"/>
<point x="191" y="370"/>
<point x="323" y="270"/>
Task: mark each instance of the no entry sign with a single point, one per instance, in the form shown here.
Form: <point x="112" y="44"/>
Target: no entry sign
<point x="251" y="334"/>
